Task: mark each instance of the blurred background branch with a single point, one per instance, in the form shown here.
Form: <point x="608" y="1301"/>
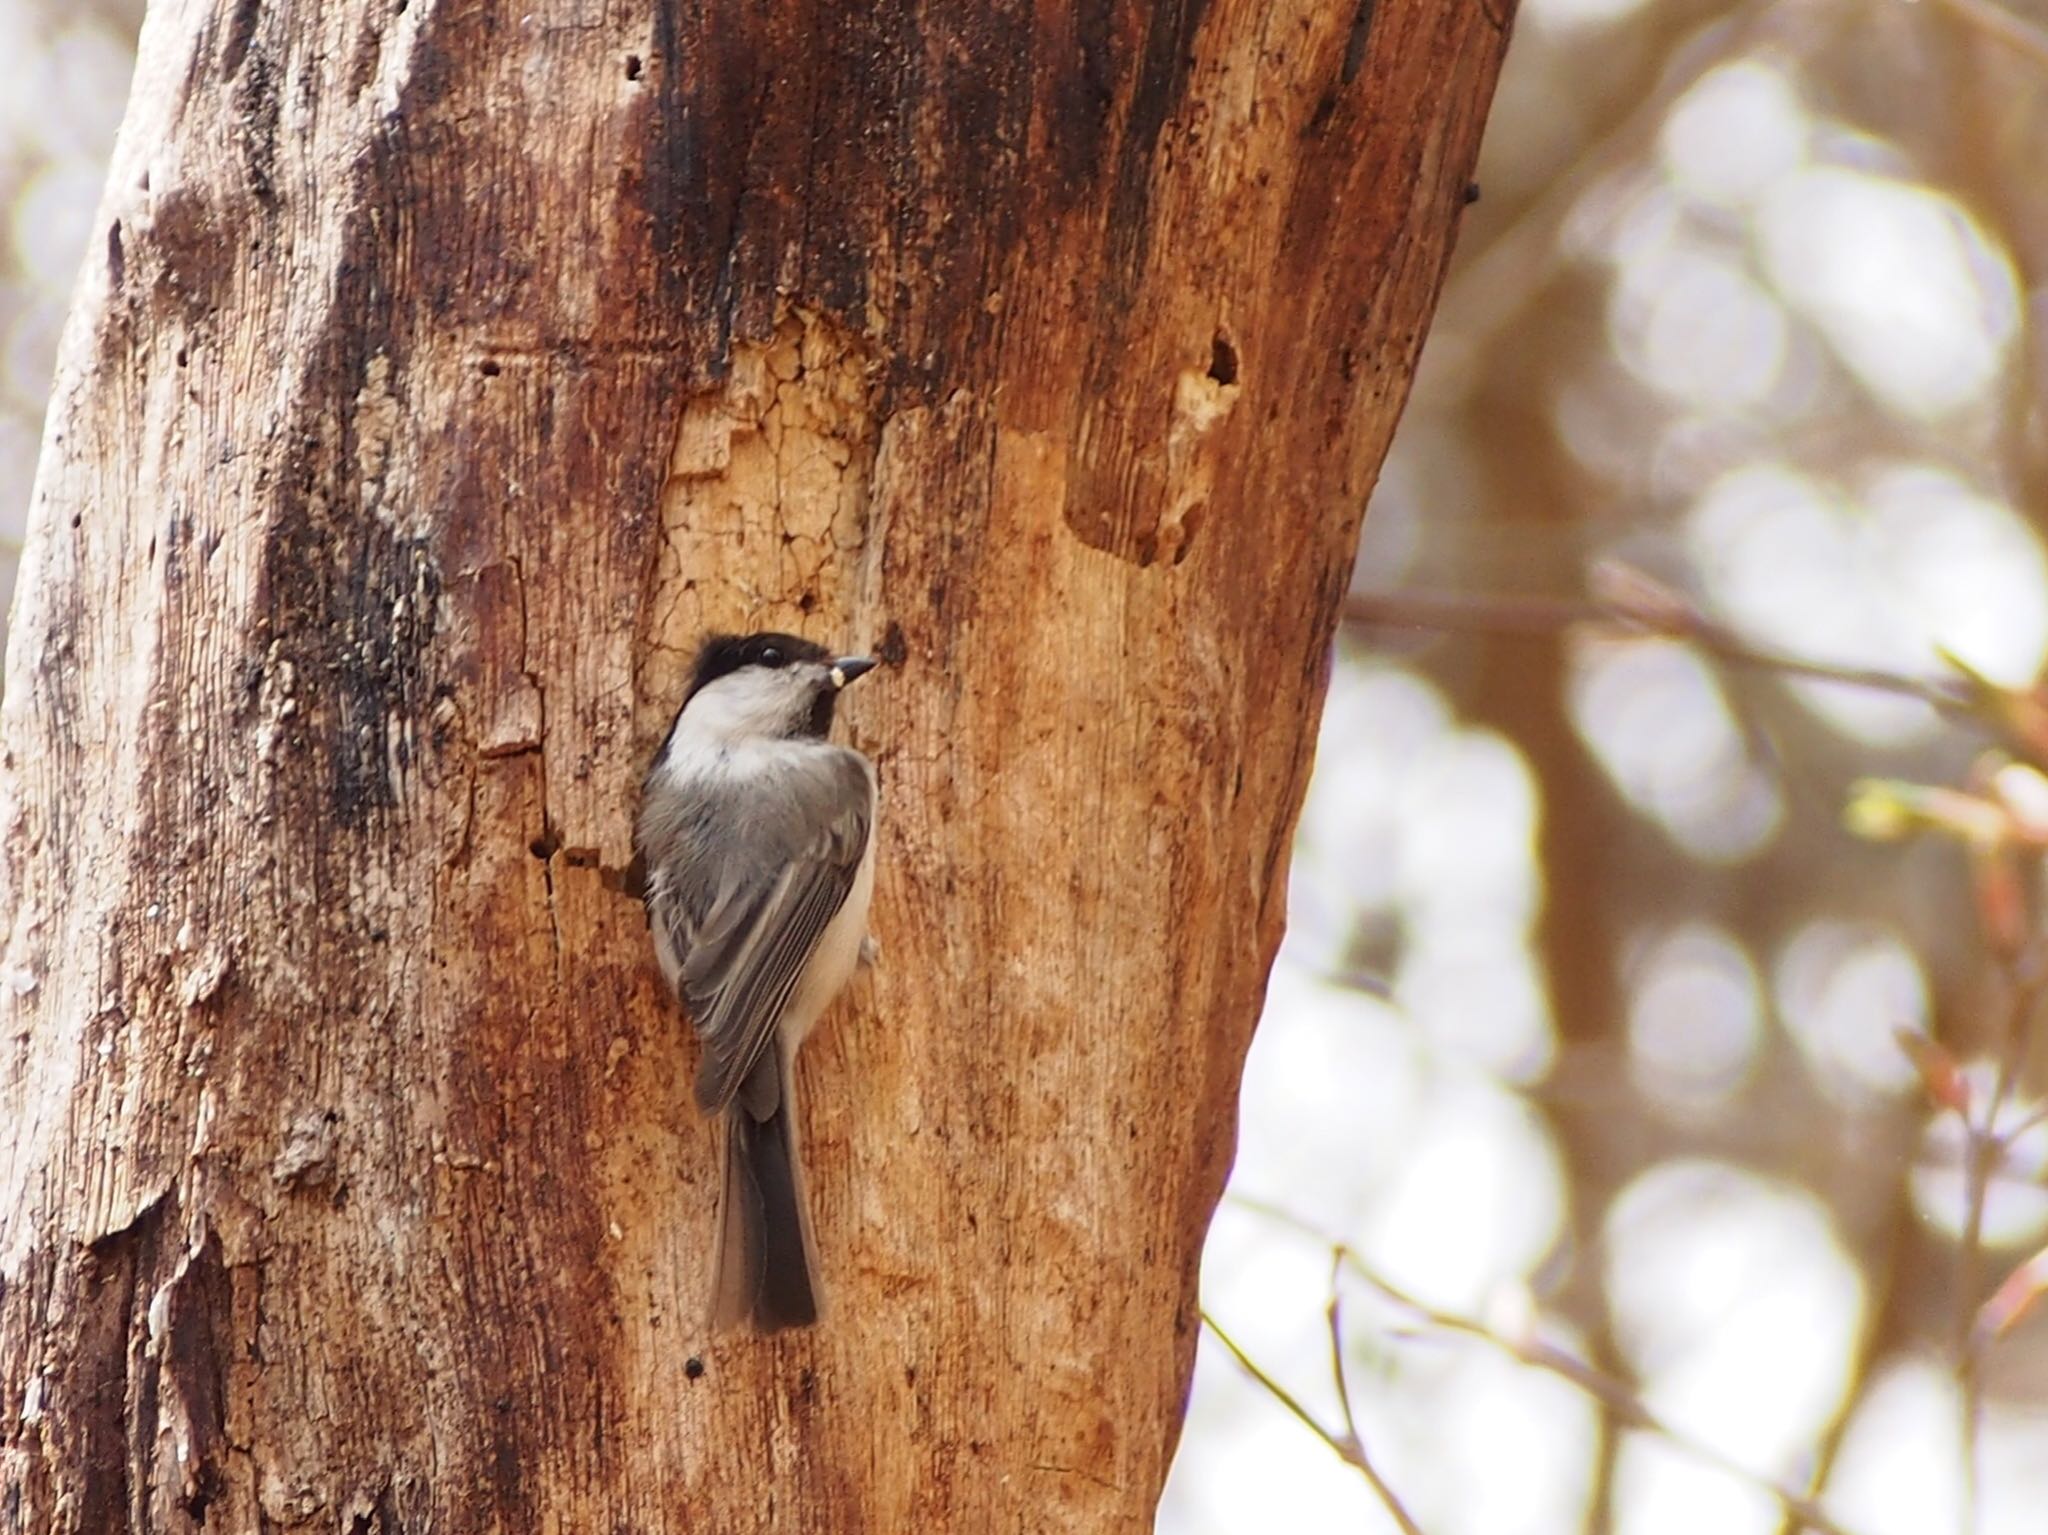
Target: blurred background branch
<point x="1347" y="1446"/>
<point x="1656" y="611"/>
<point x="1526" y="1347"/>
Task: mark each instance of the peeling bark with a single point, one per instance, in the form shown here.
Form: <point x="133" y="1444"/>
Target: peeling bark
<point x="443" y="371"/>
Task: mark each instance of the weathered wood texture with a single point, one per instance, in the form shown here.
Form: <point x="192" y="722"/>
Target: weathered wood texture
<point x="441" y="370"/>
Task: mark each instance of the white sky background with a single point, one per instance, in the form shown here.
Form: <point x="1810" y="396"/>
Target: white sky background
<point x="1759" y="259"/>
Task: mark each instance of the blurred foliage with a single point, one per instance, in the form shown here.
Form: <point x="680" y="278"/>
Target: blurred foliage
<point x="1665" y="949"/>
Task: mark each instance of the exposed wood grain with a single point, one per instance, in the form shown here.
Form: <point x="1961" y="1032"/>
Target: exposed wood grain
<point x="443" y="370"/>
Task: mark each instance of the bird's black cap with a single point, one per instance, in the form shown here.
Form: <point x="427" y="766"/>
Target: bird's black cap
<point x="724" y="654"/>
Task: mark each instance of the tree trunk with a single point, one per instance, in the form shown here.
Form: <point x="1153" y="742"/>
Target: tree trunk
<point x="441" y="372"/>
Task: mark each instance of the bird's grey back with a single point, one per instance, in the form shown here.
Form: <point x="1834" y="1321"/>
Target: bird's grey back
<point x="748" y="858"/>
<point x="778" y="802"/>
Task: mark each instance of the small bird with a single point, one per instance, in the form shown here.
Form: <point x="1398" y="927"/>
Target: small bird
<point x="756" y="837"/>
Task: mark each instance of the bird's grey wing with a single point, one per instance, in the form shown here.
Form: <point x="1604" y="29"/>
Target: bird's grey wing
<point x="744" y="941"/>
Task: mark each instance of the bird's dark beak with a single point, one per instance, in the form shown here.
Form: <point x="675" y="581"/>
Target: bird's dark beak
<point x="846" y="668"/>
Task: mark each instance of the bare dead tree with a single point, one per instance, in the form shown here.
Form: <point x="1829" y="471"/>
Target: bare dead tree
<point x="441" y="371"/>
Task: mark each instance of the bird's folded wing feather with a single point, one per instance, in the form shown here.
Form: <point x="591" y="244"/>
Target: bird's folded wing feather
<point x="746" y="929"/>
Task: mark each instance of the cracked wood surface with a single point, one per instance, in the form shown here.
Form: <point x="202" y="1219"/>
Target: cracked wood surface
<point x="440" y="371"/>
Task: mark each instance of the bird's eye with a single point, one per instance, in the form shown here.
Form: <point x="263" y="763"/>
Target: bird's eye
<point x="771" y="657"/>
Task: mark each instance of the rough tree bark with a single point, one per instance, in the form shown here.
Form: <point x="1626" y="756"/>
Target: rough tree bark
<point x="441" y="370"/>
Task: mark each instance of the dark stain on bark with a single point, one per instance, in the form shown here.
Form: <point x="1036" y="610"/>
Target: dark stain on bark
<point x="189" y="242"/>
<point x="758" y="171"/>
<point x="1162" y="80"/>
<point x="674" y="157"/>
<point x="369" y="50"/>
<point x="24" y="1342"/>
<point x="349" y="599"/>
<point x="241" y="29"/>
<point x="382" y="1518"/>
<point x="1361" y="35"/>
<point x="826" y="152"/>
<point x="438" y="52"/>
<point x="193" y="1377"/>
<point x="851" y="166"/>
<point x="506" y="1482"/>
<point x="894" y="649"/>
<point x="980" y="89"/>
<point x="95" y="1393"/>
<point x="256" y="118"/>
<point x="354" y="608"/>
<point x="1082" y="94"/>
<point x="146" y="1324"/>
<point x="1357" y="49"/>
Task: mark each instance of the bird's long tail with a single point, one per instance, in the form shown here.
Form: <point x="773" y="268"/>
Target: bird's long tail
<point x="765" y="1268"/>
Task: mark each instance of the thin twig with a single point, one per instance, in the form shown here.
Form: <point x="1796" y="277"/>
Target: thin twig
<point x="1615" y="1395"/>
<point x="1883" y="1279"/>
<point x="1370" y="982"/>
<point x="1985" y="1153"/>
<point x="1278" y="1392"/>
<point x="1352" y="1437"/>
<point x="1551" y="615"/>
<point x="1348" y="1447"/>
<point x="1333" y="1315"/>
